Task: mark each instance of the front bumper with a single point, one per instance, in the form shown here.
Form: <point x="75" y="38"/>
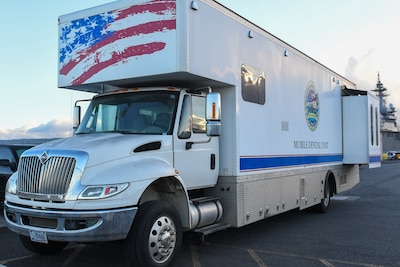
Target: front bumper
<point x="69" y="225"/>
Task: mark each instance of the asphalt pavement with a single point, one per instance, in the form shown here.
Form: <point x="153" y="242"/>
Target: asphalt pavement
<point x="2" y="223"/>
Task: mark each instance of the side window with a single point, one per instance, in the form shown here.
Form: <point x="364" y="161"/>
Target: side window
<point x="193" y="117"/>
<point x="199" y="114"/>
<point x="185" y="123"/>
<point x="253" y="85"/>
<point x="372" y="124"/>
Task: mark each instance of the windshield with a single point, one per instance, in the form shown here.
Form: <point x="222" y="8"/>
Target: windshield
<point x="139" y="112"/>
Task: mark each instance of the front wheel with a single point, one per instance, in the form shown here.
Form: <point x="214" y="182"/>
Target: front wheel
<point x="156" y="235"/>
<point x="51" y="247"/>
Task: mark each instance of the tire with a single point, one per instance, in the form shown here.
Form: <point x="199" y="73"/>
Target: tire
<point x="51" y="247"/>
<point x="326" y="201"/>
<point x="156" y="235"/>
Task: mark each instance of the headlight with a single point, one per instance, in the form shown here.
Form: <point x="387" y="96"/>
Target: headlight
<point x="102" y="191"/>
<point x="11" y="186"/>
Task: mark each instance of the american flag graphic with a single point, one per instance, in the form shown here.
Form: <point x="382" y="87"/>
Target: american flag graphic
<point x="91" y="45"/>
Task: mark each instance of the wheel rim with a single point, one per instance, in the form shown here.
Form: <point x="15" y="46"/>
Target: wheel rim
<point x="327" y="196"/>
<point x="162" y="239"/>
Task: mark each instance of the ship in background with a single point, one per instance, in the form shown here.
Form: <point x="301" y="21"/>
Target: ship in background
<point x="390" y="133"/>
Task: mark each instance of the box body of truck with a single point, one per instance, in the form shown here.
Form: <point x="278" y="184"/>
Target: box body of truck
<point x="280" y="135"/>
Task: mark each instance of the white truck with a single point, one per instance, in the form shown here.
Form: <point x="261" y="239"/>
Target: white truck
<point x="202" y="121"/>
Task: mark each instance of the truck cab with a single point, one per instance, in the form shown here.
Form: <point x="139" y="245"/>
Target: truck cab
<point x="168" y="122"/>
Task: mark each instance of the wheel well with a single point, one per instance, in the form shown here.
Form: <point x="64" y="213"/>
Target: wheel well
<point x="171" y="190"/>
<point x="330" y="179"/>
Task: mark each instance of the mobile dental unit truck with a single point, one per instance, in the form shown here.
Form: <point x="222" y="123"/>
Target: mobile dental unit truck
<point x="201" y="121"/>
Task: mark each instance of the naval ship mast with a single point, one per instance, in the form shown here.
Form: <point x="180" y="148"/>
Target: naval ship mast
<point x="390" y="133"/>
<point x="388" y="112"/>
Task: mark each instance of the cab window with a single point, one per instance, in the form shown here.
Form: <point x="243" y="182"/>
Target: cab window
<point x="193" y="115"/>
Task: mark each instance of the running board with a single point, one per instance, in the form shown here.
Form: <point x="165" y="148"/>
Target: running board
<point x="206" y="230"/>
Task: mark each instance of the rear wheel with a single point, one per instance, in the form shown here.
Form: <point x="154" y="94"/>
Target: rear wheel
<point x="324" y="205"/>
<point x="51" y="247"/>
<point x="156" y="235"/>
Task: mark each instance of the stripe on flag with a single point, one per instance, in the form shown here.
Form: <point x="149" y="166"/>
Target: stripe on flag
<point x="90" y="45"/>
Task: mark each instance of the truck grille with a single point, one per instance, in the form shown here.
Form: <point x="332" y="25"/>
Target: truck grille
<point x="45" y="181"/>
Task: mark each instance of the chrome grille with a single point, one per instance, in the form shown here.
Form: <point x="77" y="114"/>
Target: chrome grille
<point x="47" y="181"/>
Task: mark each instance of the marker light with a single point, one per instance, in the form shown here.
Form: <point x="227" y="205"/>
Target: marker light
<point x="214" y="111"/>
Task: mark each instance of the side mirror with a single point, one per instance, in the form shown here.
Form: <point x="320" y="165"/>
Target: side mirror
<point x="76" y="117"/>
<point x="76" y="120"/>
<point x="213" y="114"/>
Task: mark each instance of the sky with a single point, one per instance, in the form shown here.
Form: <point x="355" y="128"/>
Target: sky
<point x="355" y="38"/>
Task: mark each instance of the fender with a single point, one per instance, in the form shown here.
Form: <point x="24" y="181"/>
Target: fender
<point x="147" y="176"/>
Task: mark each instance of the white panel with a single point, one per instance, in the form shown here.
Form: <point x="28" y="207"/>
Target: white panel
<point x="253" y="201"/>
<point x="290" y="193"/>
<point x="311" y="189"/>
<point x="355" y="129"/>
<point x="361" y="135"/>
<point x="273" y="196"/>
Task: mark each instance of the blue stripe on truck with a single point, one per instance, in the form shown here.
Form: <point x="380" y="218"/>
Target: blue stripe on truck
<point x="271" y="162"/>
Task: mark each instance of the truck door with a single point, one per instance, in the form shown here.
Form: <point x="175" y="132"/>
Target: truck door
<point x="195" y="153"/>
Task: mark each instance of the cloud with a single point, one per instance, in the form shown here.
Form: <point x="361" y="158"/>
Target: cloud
<point x="363" y="70"/>
<point x="56" y="128"/>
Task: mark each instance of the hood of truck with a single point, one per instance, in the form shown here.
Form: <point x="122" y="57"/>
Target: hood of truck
<point x="104" y="147"/>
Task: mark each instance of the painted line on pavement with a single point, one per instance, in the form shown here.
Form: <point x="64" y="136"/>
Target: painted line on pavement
<point x="256" y="258"/>
<point x="326" y="263"/>
<point x="74" y="255"/>
<point x="16" y="259"/>
<point x="195" y="256"/>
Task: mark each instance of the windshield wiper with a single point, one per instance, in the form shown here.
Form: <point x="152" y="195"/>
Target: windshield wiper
<point x="83" y="133"/>
<point x="124" y="131"/>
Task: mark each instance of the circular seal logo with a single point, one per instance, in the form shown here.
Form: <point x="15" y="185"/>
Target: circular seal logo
<point x="311" y="106"/>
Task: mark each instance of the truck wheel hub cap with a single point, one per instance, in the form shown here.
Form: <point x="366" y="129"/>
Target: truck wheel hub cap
<point x="162" y="239"/>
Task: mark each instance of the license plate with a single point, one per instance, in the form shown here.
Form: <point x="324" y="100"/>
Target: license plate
<point x="38" y="236"/>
